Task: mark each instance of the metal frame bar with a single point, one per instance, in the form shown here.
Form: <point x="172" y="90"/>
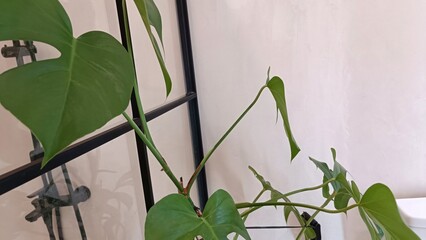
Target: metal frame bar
<point x="194" y="116"/>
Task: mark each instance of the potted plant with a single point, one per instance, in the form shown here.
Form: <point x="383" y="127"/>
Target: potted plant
<point x="63" y="99"/>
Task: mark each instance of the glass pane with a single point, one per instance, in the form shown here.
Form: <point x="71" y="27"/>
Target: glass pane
<point x="114" y="210"/>
<point x="172" y="136"/>
<point x="152" y="90"/>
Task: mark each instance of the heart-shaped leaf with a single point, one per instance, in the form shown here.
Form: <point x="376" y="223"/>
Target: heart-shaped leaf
<point x="379" y="204"/>
<point x="276" y="86"/>
<point x="219" y="219"/>
<point x="63" y="99"/>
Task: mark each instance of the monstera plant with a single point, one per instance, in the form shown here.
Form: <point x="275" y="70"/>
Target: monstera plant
<point x="63" y="99"/>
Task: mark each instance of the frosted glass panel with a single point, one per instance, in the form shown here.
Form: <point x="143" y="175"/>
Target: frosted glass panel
<point x="114" y="210"/>
<point x="172" y="136"/>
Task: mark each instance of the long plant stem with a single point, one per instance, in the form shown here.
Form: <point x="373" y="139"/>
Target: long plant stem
<point x="327" y="201"/>
<point x="245" y="217"/>
<point x="155" y="152"/>
<point x="309" y="188"/>
<point x="208" y="155"/>
<point x="285" y="195"/>
<point x="255" y="200"/>
<point x="135" y="86"/>
<point x="263" y="204"/>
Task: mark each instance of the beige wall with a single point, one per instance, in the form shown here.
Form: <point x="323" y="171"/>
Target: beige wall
<point x="356" y="81"/>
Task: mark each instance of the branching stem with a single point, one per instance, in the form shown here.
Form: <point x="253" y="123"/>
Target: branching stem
<point x="155" y="152"/>
<point x="263" y="204"/>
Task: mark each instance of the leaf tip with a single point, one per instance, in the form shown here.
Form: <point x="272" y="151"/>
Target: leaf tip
<point x="294" y="151"/>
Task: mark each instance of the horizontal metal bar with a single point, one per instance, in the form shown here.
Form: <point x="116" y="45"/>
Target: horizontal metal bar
<point x="169" y="106"/>
<point x="28" y="172"/>
<point x="272" y="227"/>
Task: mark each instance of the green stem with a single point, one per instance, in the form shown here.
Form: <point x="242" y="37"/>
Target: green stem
<point x="135" y="86"/>
<point x="247" y="212"/>
<point x="263" y="204"/>
<point x="329" y="199"/>
<point x="245" y="217"/>
<point x="155" y="152"/>
<point x="309" y="188"/>
<point x="208" y="155"/>
<point x="284" y="196"/>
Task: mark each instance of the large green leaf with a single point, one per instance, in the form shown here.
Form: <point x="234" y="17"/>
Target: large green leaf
<point x="151" y="17"/>
<point x="174" y="218"/>
<point x="63" y="99"/>
<point x="379" y="204"/>
<point x="276" y="86"/>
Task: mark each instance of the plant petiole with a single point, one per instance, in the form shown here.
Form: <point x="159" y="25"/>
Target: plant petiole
<point x="155" y="152"/>
<point x="208" y="155"/>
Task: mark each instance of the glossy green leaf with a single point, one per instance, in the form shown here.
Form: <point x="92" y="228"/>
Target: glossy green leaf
<point x="63" y="99"/>
<point x="379" y="204"/>
<point x="276" y="86"/>
<point x="325" y="188"/>
<point x="338" y="173"/>
<point x="309" y="233"/>
<point x="151" y="17"/>
<point x="328" y="174"/>
<point x="342" y="198"/>
<point x="174" y="218"/>
<point x="287" y="211"/>
<point x="155" y="18"/>
<point x="356" y="192"/>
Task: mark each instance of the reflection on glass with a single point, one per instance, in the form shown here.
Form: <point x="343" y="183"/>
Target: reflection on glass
<point x="97" y="196"/>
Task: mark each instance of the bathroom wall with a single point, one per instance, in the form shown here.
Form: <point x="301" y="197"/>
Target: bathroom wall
<point x="355" y="80"/>
<point x="116" y="209"/>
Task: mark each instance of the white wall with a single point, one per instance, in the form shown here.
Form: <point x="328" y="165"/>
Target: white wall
<point x="355" y="78"/>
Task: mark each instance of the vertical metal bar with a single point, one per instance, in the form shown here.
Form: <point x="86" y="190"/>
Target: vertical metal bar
<point x="75" y="206"/>
<point x="188" y="63"/>
<point x="141" y="148"/>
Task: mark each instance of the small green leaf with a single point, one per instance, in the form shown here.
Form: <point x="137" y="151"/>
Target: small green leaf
<point x="379" y="204"/>
<point x="276" y="195"/>
<point x="154" y="17"/>
<point x="356" y="192"/>
<point x="326" y="188"/>
<point x="63" y="99"/>
<point x="333" y="153"/>
<point x="287" y="211"/>
<point x="310" y="233"/>
<point x="265" y="184"/>
<point x="173" y="218"/>
<point x="337" y="168"/>
<point x="276" y="86"/>
<point x="328" y="173"/>
<point x="342" y="199"/>
<point x="144" y="7"/>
